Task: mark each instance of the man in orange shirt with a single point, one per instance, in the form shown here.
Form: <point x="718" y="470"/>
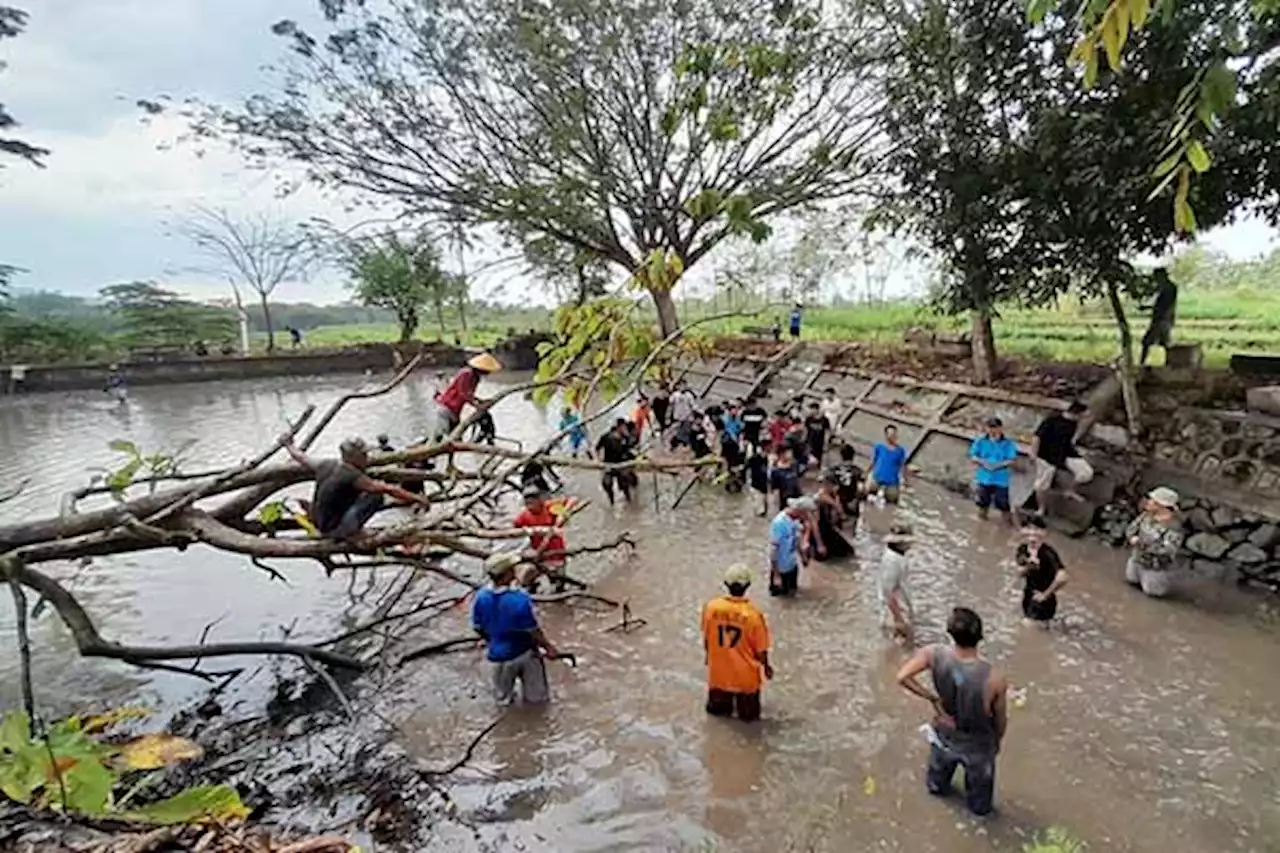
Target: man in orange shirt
<point x="537" y="513"/>
<point x="736" y="639"/>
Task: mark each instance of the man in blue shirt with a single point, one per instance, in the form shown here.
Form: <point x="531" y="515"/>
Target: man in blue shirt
<point x="796" y="313"/>
<point x="888" y="467"/>
<point x="503" y="616"/>
<point x="993" y="455"/>
<point x="787" y="534"/>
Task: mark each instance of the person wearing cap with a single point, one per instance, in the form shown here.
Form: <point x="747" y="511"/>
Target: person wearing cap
<point x="461" y="391"/>
<point x="1155" y="536"/>
<point x="736" y="641"/>
<point x="993" y="455"/>
<point x="896" y="609"/>
<point x="545" y="538"/>
<point x="1054" y="449"/>
<point x="345" y="496"/>
<point x="503" y="616"/>
<point x="787" y="535"/>
<point x="1041" y="570"/>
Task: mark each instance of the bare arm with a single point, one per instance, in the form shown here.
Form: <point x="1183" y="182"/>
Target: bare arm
<point x="378" y="487"/>
<point x="763" y="657"/>
<point x="999" y="707"/>
<point x="1059" y="581"/>
<point x="915" y="665"/>
<point x="298" y="456"/>
<point x="540" y="639"/>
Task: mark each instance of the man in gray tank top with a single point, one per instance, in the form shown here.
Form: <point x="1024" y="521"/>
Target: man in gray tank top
<point x="970" y="716"/>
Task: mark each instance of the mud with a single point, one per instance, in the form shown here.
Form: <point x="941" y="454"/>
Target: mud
<point x="1148" y="725"/>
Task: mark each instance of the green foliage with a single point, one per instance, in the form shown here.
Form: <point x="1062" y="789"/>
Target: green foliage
<point x="404" y="277"/>
<point x="12" y="22"/>
<point x="138" y="464"/>
<point x="153" y="316"/>
<point x="70" y="769"/>
<point x="594" y="346"/>
<point x="614" y="128"/>
<point x="1055" y="840"/>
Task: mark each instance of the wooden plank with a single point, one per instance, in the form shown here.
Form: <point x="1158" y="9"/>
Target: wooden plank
<point x="976" y="391"/>
<point x="933" y="424"/>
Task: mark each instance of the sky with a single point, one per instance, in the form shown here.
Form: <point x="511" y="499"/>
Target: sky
<point x="103" y="209"/>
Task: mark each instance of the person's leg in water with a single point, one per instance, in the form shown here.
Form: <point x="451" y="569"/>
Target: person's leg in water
<point x="606" y="481"/>
<point x="719" y="703"/>
<point x="900" y="608"/>
<point x="941" y="770"/>
<point x="979" y="783"/>
<point x="624" y="479"/>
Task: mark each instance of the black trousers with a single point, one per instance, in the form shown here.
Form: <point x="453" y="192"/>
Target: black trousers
<point x="722" y="703"/>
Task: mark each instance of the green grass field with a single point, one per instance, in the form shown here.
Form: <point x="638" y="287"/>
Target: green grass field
<point x="1222" y="322"/>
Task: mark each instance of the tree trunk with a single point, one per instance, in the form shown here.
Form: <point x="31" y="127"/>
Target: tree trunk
<point x="983" y="341"/>
<point x="462" y="311"/>
<point x="1124" y="365"/>
<point x="408" y="325"/>
<point x="266" y="321"/>
<point x="668" y="320"/>
<point x="440" y="318"/>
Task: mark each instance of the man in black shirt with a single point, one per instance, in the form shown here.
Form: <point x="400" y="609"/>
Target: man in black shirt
<point x="816" y="428"/>
<point x="848" y="477"/>
<point x="784" y="479"/>
<point x="1041" y="570"/>
<point x="616" y="447"/>
<point x="753" y="419"/>
<point x="346" y="497"/>
<point x="1054" y="449"/>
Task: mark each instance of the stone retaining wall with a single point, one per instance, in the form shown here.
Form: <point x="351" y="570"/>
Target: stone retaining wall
<point x="367" y="357"/>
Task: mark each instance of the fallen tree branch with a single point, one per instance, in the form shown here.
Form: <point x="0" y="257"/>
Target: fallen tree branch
<point x="466" y="755"/>
<point x="455" y="644"/>
<point x="385" y="388"/>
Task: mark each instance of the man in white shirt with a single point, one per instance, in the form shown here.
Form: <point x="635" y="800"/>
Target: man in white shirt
<point x="832" y="409"/>
<point x="682" y="404"/>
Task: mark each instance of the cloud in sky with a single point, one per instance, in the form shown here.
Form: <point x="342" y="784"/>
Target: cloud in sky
<point x="101" y="212"/>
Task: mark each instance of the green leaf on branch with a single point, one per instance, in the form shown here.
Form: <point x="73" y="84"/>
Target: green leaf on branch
<point x="1167" y="164"/>
<point x="1197" y="156"/>
<point x="15" y="731"/>
<point x="121" y="445"/>
<point x="1038" y="9"/>
<point x="88" y="786"/>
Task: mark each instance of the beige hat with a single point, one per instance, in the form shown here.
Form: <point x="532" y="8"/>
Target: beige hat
<point x="1164" y="496"/>
<point x="502" y="562"/>
<point x="804" y="503"/>
<point x="486" y="362"/>
<point x="738" y="575"/>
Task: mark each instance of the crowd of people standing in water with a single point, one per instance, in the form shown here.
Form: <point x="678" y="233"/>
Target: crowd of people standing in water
<point x="773" y="455"/>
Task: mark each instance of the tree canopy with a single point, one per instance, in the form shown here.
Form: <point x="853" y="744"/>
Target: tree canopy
<point x="641" y="131"/>
<point x="153" y="316"/>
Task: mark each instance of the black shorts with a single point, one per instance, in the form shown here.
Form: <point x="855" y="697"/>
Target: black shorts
<point x="787" y="583"/>
<point x="986" y="496"/>
<point x="722" y="703"/>
<point x="1040" y="611"/>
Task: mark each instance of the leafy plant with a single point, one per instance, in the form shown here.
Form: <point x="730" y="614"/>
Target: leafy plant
<point x="69" y="769"/>
<point x="1054" y="840"/>
<point x="145" y="465"/>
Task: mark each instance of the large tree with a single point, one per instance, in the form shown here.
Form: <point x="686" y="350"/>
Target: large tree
<point x="957" y="93"/>
<point x="153" y="316"/>
<point x="643" y="132"/>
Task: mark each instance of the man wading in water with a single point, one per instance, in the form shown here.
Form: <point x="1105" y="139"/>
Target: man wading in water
<point x="503" y="617"/>
<point x="970" y="714"/>
<point x="461" y="391"/>
<point x="615" y="448"/>
<point x="346" y="497"/>
<point x="735" y="638"/>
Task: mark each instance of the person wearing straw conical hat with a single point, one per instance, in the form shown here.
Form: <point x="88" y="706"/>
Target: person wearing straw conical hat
<point x="1155" y="537"/>
<point x="461" y="391"/>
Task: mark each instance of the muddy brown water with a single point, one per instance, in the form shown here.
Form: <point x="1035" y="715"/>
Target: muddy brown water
<point x="1148" y="726"/>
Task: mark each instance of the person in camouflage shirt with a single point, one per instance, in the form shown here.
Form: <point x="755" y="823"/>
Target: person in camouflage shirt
<point x="1155" y="537"/>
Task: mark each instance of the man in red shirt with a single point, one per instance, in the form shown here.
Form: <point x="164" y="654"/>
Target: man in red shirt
<point x="461" y="391"/>
<point x="537" y="513"/>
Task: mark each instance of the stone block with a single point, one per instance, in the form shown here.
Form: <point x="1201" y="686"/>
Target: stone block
<point x="1200" y="520"/>
<point x="1265" y="537"/>
<point x="1224" y="516"/>
<point x="1208" y="545"/>
<point x="1210" y="569"/>
<point x="1183" y="357"/>
<point x="1069" y="515"/>
<point x="1110" y="435"/>
<point x="1236" y="535"/>
<point x="1247" y="554"/>
<point x="1265" y="399"/>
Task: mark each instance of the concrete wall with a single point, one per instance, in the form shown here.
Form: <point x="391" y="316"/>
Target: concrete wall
<point x="376" y="357"/>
